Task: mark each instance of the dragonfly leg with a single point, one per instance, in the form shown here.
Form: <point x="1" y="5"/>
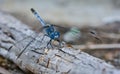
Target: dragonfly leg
<point x="59" y="42"/>
<point x="49" y="43"/>
<point x="43" y="38"/>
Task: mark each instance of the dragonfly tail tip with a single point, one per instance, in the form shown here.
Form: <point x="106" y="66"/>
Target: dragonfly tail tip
<point x="32" y="10"/>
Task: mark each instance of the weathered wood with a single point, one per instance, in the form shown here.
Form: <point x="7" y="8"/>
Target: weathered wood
<point x="53" y="61"/>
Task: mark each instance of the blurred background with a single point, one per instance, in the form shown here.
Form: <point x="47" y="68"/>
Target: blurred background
<point x="64" y="12"/>
<point x="83" y="22"/>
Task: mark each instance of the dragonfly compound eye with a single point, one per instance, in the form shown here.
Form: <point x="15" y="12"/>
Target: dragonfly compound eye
<point x="56" y="34"/>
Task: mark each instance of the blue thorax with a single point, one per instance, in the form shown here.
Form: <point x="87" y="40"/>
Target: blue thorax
<point x="52" y="33"/>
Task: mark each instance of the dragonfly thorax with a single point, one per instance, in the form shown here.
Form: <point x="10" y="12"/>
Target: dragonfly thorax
<point x="51" y="32"/>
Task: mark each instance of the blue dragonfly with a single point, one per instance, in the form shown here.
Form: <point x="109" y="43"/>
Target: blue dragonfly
<point x="49" y="29"/>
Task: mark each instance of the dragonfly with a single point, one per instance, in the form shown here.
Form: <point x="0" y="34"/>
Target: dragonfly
<point x="49" y="29"/>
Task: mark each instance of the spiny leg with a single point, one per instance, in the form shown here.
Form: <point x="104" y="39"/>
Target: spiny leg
<point x="49" y="43"/>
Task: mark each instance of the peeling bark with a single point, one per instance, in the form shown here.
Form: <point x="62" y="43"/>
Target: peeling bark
<point x="39" y="60"/>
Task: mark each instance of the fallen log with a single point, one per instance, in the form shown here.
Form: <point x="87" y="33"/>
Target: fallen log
<point x="53" y="61"/>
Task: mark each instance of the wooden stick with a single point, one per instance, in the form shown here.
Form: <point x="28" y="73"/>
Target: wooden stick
<point x="97" y="46"/>
<point x="110" y="35"/>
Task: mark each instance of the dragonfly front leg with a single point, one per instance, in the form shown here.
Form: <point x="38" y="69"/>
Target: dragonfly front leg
<point x="43" y="37"/>
<point x="49" y="43"/>
<point x="59" y="42"/>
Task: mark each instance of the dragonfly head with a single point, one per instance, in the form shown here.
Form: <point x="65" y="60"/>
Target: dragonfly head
<point x="56" y="35"/>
